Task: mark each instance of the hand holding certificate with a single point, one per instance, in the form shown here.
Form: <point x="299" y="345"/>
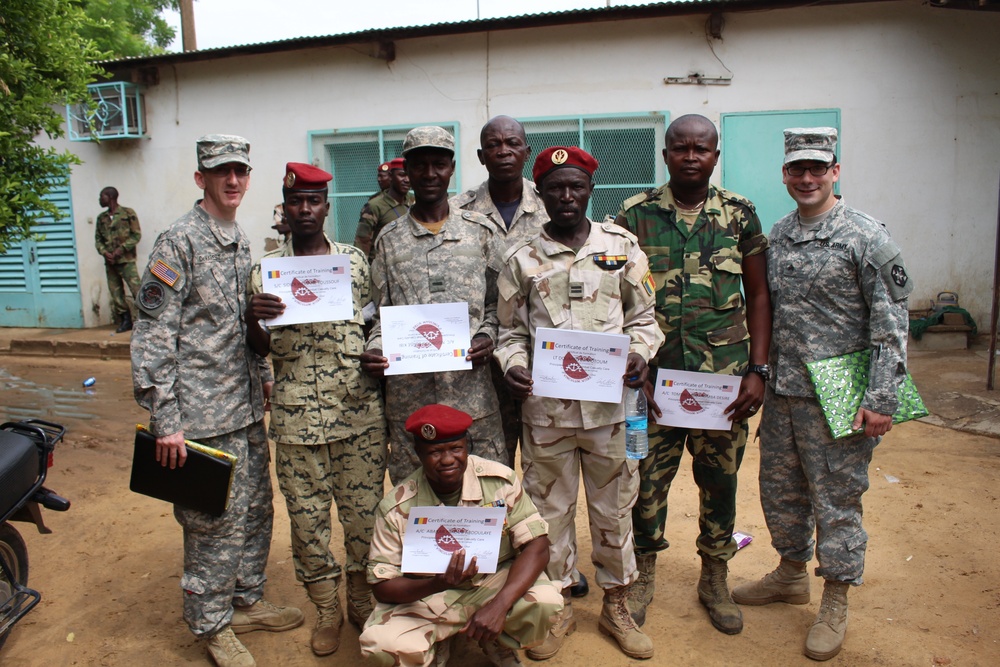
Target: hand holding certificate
<point x="314" y="288"/>
<point x="695" y="400"/>
<point x="425" y="338"/>
<point x="434" y="534"/>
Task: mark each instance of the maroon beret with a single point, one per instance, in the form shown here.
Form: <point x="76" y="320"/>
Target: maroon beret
<point x="438" y="423"/>
<point x="383" y="167"/>
<point x="302" y="176"/>
<point x="556" y="157"/>
<point x="396" y="163"/>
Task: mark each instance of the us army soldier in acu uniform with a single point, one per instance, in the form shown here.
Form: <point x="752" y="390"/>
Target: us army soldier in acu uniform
<point x="116" y="237"/>
<point x="704" y="243"/>
<point x="194" y="372"/>
<point x="326" y="417"/>
<point x="839" y="285"/>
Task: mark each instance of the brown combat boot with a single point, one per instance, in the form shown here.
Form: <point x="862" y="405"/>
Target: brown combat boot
<point x="262" y="615"/>
<point x="787" y="583"/>
<point x="228" y="651"/>
<point x="826" y="636"/>
<point x="500" y="655"/>
<point x="640" y="591"/>
<point x="563" y="627"/>
<point x="617" y="623"/>
<point x="713" y="591"/>
<point x="329" y="617"/>
<point x="360" y="603"/>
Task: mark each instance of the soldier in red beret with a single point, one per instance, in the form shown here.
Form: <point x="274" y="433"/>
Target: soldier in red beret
<point x="416" y="616"/>
<point x="382" y="175"/>
<point x="580" y="275"/>
<point x="327" y="418"/>
<point x="392" y="202"/>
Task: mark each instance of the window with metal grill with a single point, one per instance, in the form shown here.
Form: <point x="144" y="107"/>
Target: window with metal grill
<point x="628" y="148"/>
<point x="353" y="156"/>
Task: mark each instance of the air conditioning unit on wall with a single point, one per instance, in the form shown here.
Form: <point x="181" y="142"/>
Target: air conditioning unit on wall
<point x="115" y="112"/>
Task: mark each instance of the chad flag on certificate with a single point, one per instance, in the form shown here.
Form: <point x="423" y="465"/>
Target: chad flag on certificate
<point x="548" y="345"/>
<point x="419" y="521"/>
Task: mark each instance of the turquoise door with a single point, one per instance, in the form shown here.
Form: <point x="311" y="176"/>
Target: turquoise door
<point x="39" y="279"/>
<point x="753" y="146"/>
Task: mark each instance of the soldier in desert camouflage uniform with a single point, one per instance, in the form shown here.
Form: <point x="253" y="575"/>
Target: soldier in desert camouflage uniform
<point x="417" y="615"/>
<point x="116" y="235"/>
<point x="587" y="277"/>
<point x="326" y="417"/>
<point x="703" y="243"/>
<point x="438" y="254"/>
<point x="384" y="207"/>
<point x="839" y="285"/>
<point x="194" y="372"/>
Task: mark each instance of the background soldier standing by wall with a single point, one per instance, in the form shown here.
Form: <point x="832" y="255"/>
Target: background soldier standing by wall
<point x="117" y="235"/>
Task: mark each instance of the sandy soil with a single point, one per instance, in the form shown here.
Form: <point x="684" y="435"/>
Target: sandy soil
<point x="109" y="572"/>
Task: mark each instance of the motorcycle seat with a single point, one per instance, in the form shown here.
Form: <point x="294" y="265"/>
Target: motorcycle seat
<point x="19" y="469"/>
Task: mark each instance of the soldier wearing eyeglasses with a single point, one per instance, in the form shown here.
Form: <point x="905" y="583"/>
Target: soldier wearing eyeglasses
<point x="838" y="285"/>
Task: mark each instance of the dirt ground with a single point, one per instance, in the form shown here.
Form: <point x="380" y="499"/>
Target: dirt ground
<point x="109" y="572"/>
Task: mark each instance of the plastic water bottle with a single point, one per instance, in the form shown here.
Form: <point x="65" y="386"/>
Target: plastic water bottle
<point x="636" y="437"/>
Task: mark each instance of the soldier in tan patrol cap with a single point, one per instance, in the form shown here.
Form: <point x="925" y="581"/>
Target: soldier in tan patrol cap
<point x="437" y="253"/>
<point x="194" y="372"/>
<point x="416" y="615"/>
<point x="838" y="285"/>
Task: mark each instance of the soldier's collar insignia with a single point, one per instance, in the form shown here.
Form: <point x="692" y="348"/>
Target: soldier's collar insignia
<point x="428" y="432"/>
<point x="560" y="157"/>
<point x="610" y="262"/>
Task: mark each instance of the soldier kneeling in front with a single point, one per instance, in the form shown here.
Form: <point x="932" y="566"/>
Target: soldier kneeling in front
<point x="416" y="615"/>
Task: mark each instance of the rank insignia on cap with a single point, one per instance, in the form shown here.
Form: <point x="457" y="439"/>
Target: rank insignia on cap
<point x="289" y="179"/>
<point x="428" y="432"/>
<point x="648" y="283"/>
<point x="610" y="262"/>
<point x="560" y="156"/>
<point x="164" y="272"/>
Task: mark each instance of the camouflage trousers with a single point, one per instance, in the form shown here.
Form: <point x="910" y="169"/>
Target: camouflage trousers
<point x="716" y="458"/>
<point x="224" y="557"/>
<point x="312" y="478"/>
<point x="485" y="441"/>
<point x="809" y="483"/>
<point x="407" y="634"/>
<point x="510" y="414"/>
<point x="552" y="459"/>
<point x="117" y="274"/>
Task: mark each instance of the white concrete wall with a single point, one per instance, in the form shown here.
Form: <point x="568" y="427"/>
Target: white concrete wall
<point x="918" y="89"/>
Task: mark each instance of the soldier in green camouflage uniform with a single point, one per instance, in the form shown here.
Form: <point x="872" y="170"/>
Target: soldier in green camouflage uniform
<point x="416" y="615"/>
<point x="194" y="372"/>
<point x="384" y="207"/>
<point x="839" y="285"/>
<point x="326" y="417"/>
<point x="437" y="253"/>
<point x="703" y="244"/>
<point x="116" y="236"/>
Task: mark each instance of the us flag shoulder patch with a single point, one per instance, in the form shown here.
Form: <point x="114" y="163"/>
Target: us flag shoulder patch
<point x="165" y="272"/>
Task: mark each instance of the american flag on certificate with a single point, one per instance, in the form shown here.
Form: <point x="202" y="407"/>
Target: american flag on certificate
<point x="615" y="352"/>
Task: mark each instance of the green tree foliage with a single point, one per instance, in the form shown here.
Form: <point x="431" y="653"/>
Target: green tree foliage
<point x="125" y="28"/>
<point x="44" y="63"/>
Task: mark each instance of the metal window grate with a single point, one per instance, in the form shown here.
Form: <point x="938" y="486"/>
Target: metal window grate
<point x="115" y="112"/>
<point x="627" y="148"/>
<point x="352" y="157"/>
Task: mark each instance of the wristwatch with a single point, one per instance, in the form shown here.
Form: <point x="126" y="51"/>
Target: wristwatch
<point x="762" y="370"/>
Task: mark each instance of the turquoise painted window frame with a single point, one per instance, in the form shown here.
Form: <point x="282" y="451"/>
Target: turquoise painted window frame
<point x="110" y="101"/>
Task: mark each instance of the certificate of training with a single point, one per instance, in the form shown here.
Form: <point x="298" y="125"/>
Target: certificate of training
<point x="695" y="400"/>
<point x="579" y="365"/>
<point x="433" y="534"/>
<point x="314" y="288"/>
<point x="425" y="338"/>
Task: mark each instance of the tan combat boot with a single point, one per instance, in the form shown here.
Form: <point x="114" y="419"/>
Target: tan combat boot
<point x="500" y="655"/>
<point x="617" y="623"/>
<point x="826" y="636"/>
<point x="787" y="583"/>
<point x="563" y="627"/>
<point x="228" y="651"/>
<point x="329" y="617"/>
<point x="640" y="592"/>
<point x="713" y="591"/>
<point x="360" y="602"/>
<point x="262" y="615"/>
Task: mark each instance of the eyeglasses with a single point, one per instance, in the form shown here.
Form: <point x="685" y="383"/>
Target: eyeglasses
<point x="241" y="170"/>
<point x="816" y="169"/>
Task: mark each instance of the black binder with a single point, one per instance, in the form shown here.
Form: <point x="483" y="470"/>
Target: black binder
<point x="201" y="484"/>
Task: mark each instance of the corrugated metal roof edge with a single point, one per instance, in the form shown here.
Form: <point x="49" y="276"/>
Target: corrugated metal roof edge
<point x="567" y="17"/>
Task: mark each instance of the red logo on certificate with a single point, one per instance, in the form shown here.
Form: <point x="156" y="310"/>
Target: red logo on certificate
<point x="573" y="369"/>
<point x="445" y="540"/>
<point x="431" y="332"/>
<point x="689" y="403"/>
<point x="301" y="293"/>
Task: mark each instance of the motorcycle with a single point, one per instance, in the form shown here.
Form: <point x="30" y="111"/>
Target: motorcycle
<point x="25" y="456"/>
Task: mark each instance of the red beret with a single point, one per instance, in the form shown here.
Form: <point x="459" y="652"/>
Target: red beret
<point x="556" y="157"/>
<point x="396" y="163"/>
<point x="301" y="176"/>
<point x="383" y="167"/>
<point x="438" y="423"/>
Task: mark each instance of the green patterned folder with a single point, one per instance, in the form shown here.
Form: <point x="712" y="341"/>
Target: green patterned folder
<point x="841" y="383"/>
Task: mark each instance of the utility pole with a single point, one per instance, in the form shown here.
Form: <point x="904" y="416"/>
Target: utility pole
<point x="188" y="40"/>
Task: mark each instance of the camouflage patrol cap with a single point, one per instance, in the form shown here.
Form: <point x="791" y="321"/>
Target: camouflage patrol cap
<point x="810" y="143"/>
<point x="429" y="136"/>
<point x="216" y="149"/>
